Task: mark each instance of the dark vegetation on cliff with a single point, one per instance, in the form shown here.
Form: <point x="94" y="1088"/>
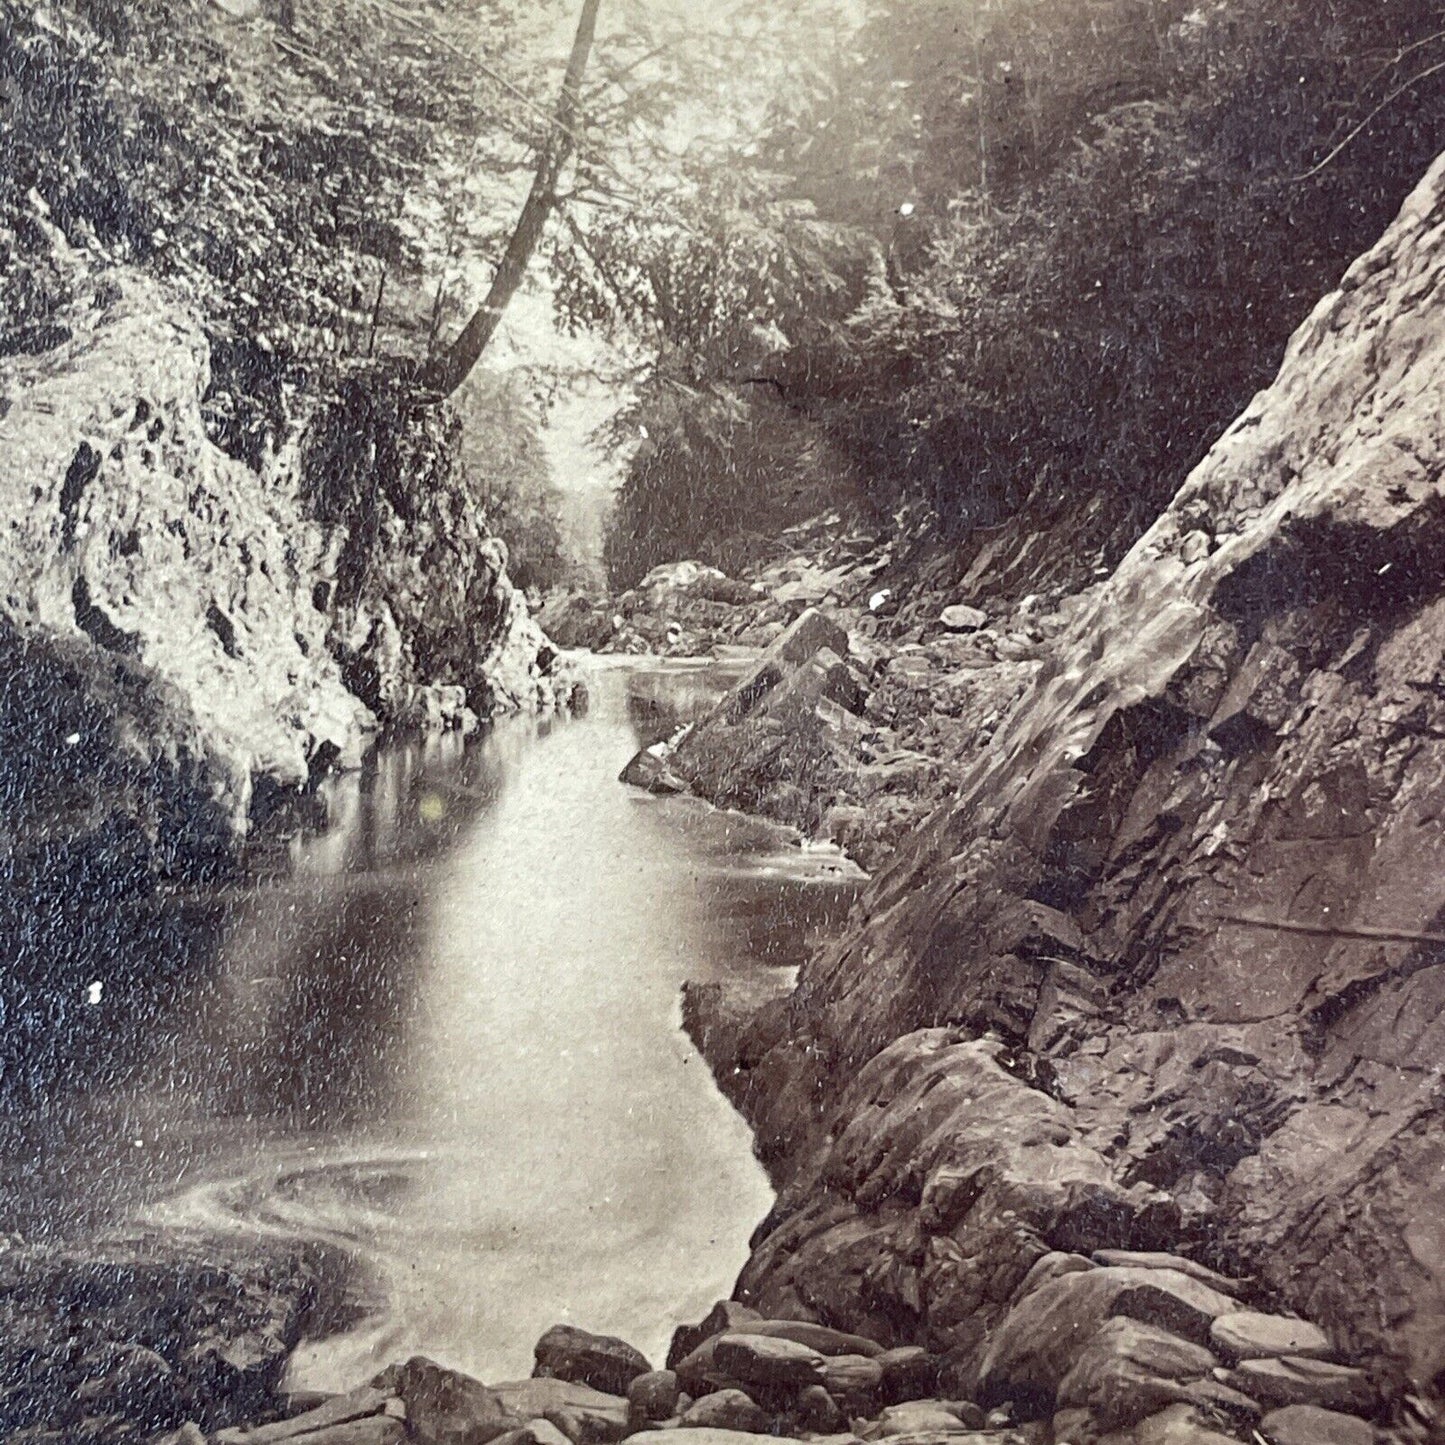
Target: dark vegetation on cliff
<point x="1017" y="257"/>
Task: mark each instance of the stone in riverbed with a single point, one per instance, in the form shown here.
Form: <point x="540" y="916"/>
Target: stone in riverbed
<point x="811" y="633"/>
<point x="1042" y="1336"/>
<point x="725" y="1315"/>
<point x="584" y="1415"/>
<point x="699" y="1373"/>
<point x="1250" y="1335"/>
<point x="1178" y="1425"/>
<point x="930" y="1417"/>
<point x="1222" y="1400"/>
<point x="819" y="1412"/>
<point x="373" y="1430"/>
<point x="818" y="1338"/>
<point x="653" y="1396"/>
<point x="1051" y="1266"/>
<point x="699" y="1435"/>
<point x="601" y="1361"/>
<point x="1310" y="1425"/>
<point x="1295" y="1380"/>
<point x="855" y="1382"/>
<point x="338" y="1410"/>
<point x="1157" y="1259"/>
<point x="444" y="1407"/>
<point x="1130" y="1370"/>
<point x="649" y="769"/>
<point x="909" y="1373"/>
<point x="541" y="1432"/>
<point x="726" y="1410"/>
<point x="767" y="1362"/>
<point x="962" y="618"/>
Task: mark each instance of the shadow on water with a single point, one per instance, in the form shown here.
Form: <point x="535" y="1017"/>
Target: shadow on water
<point x="441" y="1036"/>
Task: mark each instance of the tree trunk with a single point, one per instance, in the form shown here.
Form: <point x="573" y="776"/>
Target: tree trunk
<point x="452" y="369"/>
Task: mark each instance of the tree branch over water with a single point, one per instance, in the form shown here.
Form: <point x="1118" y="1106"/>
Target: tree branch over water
<point x="453" y="368"/>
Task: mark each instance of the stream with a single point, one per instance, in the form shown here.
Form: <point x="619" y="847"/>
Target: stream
<point x="444" y="1037"/>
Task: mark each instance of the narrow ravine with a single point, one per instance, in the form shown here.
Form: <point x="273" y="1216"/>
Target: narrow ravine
<point x="447" y="1039"/>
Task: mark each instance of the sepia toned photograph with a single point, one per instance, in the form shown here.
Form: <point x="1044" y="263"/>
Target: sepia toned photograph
<point x="722" y="721"/>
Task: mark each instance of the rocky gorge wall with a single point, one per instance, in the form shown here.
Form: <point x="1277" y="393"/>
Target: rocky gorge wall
<point x="1188" y="900"/>
<point x="169" y="618"/>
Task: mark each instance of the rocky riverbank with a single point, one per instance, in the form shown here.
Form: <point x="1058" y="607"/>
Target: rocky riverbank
<point x="1150" y="960"/>
<point x="1120" y="1349"/>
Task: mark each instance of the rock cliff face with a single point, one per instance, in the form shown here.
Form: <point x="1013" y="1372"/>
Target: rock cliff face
<point x="1193" y="889"/>
<point x="167" y="614"/>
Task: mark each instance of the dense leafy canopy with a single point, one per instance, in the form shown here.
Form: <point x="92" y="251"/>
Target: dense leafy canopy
<point x="982" y="256"/>
<point x="1098" y="221"/>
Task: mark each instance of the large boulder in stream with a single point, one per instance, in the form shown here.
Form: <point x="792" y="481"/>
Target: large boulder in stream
<point x="1192" y="884"/>
<point x="781" y="742"/>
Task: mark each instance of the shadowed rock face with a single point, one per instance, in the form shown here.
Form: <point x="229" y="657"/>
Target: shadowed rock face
<point x="1248" y="719"/>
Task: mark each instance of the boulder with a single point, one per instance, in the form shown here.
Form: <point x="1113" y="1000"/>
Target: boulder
<point x="602" y="1361"/>
<point x="726" y="1314"/>
<point x="338" y="1410"/>
<point x="909" y="1373"/>
<point x="924" y="1417"/>
<point x="650" y="769"/>
<point x="445" y="1407"/>
<point x="819" y="1412"/>
<point x="1073" y="1427"/>
<point x="1159" y="1259"/>
<point x="1044" y="1334"/>
<point x="699" y="1435"/>
<point x="1051" y="1266"/>
<point x="726" y="1410"/>
<point x="818" y="1338"/>
<point x="584" y="1415"/>
<point x="653" y="1396"/>
<point x="372" y="1430"/>
<point x="1310" y="1425"/>
<point x="1221" y="1399"/>
<point x="575" y="620"/>
<point x="1130" y="1370"/>
<point x="768" y="1362"/>
<point x="814" y="631"/>
<point x="962" y="618"/>
<point x="855" y="1382"/>
<point x="1178" y="1425"/>
<point x="1295" y="1380"/>
<point x="541" y="1432"/>
<point x="1250" y="1335"/>
<point x="699" y="1373"/>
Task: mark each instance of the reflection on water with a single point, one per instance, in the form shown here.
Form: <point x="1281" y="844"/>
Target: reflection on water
<point x="447" y="1039"/>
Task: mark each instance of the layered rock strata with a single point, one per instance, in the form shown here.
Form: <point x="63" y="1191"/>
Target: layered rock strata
<point x="1186" y="904"/>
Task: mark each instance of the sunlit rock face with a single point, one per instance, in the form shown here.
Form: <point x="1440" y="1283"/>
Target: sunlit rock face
<point x="169" y="615"/>
<point x="1247" y="721"/>
<point x="147" y="561"/>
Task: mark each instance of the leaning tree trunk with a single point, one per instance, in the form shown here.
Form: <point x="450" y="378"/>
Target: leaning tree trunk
<point x="450" y="370"/>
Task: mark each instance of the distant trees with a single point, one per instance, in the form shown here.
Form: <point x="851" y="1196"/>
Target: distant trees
<point x="1097" y="223"/>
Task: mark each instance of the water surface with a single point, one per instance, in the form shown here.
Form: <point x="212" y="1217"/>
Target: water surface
<point x="446" y="1038"/>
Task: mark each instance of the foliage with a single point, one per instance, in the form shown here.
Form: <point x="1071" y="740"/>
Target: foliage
<point x="275" y="176"/>
<point x="509" y="476"/>
<point x="1098" y="225"/>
